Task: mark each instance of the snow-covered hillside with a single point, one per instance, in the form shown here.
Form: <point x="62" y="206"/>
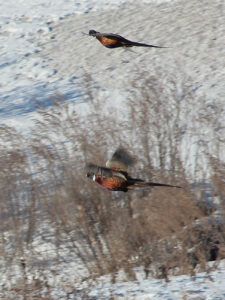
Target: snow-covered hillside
<point x="24" y="74"/>
<point x="203" y="286"/>
<point x="44" y="51"/>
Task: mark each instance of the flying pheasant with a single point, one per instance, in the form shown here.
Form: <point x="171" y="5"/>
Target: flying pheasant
<point x="114" y="176"/>
<point x="111" y="40"/>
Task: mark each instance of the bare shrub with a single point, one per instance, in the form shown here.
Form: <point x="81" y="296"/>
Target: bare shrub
<point x="54" y="217"/>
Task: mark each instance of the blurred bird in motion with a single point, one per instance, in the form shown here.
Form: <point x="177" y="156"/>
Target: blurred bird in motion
<point x="111" y="40"/>
<point x="115" y="177"/>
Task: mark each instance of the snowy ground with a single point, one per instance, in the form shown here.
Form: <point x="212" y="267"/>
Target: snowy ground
<point x="43" y="51"/>
<point x="203" y="286"/>
<point x="25" y="75"/>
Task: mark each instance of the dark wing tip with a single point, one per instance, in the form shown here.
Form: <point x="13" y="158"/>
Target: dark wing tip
<point x="122" y="155"/>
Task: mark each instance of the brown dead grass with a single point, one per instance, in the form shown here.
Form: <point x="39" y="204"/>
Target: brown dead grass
<point x="43" y="187"/>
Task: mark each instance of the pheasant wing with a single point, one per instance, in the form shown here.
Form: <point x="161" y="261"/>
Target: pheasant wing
<point x="105" y="172"/>
<point x="120" y="160"/>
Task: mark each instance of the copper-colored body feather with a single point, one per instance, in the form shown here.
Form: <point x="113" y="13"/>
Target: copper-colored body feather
<point x="115" y="177"/>
<point x="111" y="40"/>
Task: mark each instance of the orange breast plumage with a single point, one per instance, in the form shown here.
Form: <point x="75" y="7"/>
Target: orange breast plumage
<point x="110" y="183"/>
<point x="107" y="41"/>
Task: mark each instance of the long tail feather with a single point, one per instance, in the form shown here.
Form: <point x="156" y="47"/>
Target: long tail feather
<point x="162" y="184"/>
<point x="145" y="45"/>
<point x="146" y="184"/>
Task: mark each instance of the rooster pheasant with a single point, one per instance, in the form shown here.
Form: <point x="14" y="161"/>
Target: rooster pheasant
<point x="114" y="176"/>
<point x="111" y="40"/>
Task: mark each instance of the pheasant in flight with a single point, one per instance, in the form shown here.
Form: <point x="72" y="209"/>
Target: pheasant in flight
<point x="114" y="176"/>
<point x="111" y="40"/>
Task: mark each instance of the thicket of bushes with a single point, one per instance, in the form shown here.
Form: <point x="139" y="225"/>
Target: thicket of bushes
<point x="53" y="219"/>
